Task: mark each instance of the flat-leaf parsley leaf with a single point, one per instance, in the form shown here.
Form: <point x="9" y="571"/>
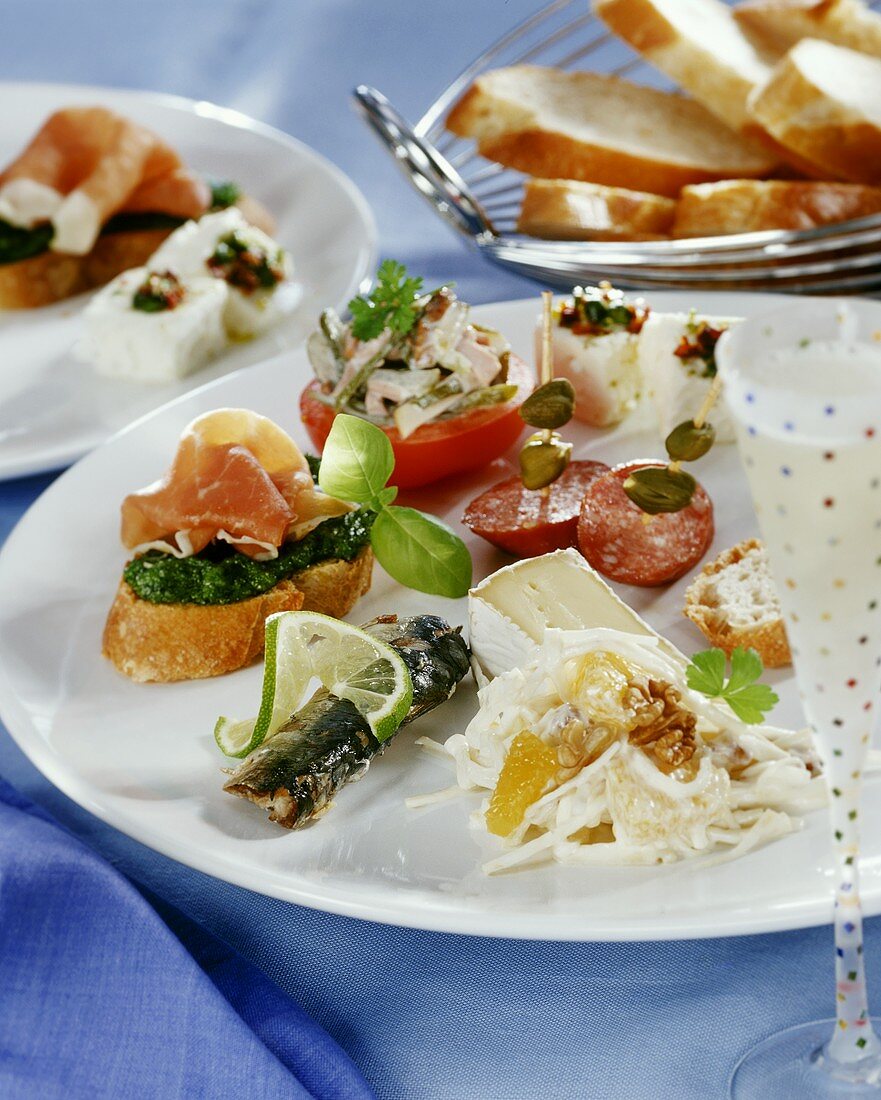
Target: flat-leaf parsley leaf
<point x="391" y="305"/>
<point x="749" y="700"/>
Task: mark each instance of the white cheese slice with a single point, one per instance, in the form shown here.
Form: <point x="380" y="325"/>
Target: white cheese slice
<point x="124" y="342"/>
<point x="509" y="612"/>
<point x="187" y="250"/>
<point x="678" y="387"/>
<point x="603" y="370"/>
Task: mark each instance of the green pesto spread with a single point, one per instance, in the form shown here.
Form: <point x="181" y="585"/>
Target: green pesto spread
<point x="18" y="243"/>
<point x="219" y="574"/>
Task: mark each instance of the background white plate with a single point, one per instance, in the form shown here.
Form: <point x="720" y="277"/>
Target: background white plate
<point x="143" y="757"/>
<point x="53" y="408"/>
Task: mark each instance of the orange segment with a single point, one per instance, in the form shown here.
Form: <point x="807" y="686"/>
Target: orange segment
<point x="527" y="773"/>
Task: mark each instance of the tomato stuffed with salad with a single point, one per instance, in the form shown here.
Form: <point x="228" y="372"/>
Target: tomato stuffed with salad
<point x="445" y="390"/>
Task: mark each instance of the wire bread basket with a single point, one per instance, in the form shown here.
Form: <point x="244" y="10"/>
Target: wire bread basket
<point x="481" y="199"/>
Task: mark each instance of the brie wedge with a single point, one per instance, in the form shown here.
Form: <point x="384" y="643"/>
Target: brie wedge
<point x="509" y="612"/>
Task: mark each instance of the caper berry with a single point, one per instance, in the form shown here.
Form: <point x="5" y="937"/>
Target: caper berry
<point x="543" y="460"/>
<point x="687" y="442"/>
<point x="551" y="405"/>
<point x="657" y="489"/>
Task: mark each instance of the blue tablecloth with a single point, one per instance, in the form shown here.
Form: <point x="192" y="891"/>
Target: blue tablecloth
<point x="424" y="1016"/>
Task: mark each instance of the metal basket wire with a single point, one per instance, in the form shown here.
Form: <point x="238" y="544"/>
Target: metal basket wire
<point x="481" y="199"/>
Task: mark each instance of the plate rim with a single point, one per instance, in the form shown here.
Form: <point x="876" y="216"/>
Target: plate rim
<point x="61" y="456"/>
<point x="412" y="909"/>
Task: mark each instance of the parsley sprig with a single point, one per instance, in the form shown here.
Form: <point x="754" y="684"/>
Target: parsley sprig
<point x="391" y="305"/>
<point x="749" y="700"/>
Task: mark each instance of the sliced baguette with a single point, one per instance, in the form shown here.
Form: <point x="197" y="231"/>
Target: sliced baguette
<point x="570" y="210"/>
<point x="580" y="125"/>
<point x="780" y="24"/>
<point x="747" y="206"/>
<point x="823" y="103"/>
<point x="167" y="642"/>
<point x="697" y="43"/>
<point x="733" y="602"/>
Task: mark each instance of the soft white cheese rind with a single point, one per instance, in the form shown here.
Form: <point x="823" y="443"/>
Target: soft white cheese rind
<point x="509" y="612"/>
<point x="124" y="342"/>
<point x="676" y="387"/>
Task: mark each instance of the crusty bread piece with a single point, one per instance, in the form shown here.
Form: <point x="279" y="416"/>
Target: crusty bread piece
<point x="166" y="642"/>
<point x="734" y="603"/>
<point x="698" y="44"/>
<point x="584" y="126"/>
<point x="780" y="24"/>
<point x="53" y="276"/>
<point x="823" y="103"/>
<point x="747" y="206"/>
<point x="570" y="210"/>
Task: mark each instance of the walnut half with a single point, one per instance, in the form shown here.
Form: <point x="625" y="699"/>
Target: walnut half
<point x="664" y="729"/>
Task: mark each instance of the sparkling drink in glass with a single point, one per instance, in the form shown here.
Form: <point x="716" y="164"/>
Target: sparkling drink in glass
<point x="804" y="387"/>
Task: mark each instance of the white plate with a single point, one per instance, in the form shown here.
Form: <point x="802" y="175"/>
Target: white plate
<point x="143" y="757"/>
<point x="53" y="408"/>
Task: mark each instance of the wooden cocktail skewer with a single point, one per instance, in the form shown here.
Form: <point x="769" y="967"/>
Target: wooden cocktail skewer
<point x="547" y="356"/>
<point x="704" y="411"/>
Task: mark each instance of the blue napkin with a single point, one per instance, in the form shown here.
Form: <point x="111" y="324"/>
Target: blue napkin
<point x="100" y="998"/>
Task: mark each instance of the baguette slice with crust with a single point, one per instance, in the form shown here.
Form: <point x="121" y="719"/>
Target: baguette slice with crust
<point x="570" y="210"/>
<point x="697" y="43"/>
<point x="748" y="206"/>
<point x="584" y="126"/>
<point x="783" y="23"/>
<point x="823" y="103"/>
<point x="734" y="603"/>
<point x="166" y="642"/>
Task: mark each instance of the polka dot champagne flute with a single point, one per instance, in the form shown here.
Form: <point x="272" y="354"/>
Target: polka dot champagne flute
<point x="804" y="387"/>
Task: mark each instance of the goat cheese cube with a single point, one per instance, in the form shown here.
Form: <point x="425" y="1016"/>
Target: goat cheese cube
<point x="162" y="346"/>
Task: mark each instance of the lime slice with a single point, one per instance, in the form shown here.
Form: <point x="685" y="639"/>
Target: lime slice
<point x="349" y="662"/>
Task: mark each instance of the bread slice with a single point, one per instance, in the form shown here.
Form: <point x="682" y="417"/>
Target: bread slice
<point x="570" y="210"/>
<point x="747" y="206"/>
<point x="601" y="129"/>
<point x="53" y="276"/>
<point x="167" y="642"/>
<point x="697" y="43"/>
<point x="823" y="103"/>
<point x="734" y="603"/>
<point x="780" y="24"/>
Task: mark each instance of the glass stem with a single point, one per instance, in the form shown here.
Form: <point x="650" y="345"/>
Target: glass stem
<point x="854" y="1038"/>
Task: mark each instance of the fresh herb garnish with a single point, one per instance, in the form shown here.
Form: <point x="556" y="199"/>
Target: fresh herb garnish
<point x="244" y="264"/>
<point x="224" y="193"/>
<point x="391" y="305"/>
<point x="596" y="311"/>
<point x="415" y="549"/>
<point x="749" y="700"/>
<point x="700" y="343"/>
<point x="158" y="292"/>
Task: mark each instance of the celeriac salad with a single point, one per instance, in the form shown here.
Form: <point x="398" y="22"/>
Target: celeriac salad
<point x="597" y="751"/>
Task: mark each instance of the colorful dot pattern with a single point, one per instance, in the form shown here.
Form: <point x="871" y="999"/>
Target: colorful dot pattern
<point x="820" y="513"/>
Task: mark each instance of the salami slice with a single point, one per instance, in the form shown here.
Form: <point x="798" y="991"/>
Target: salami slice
<point x="618" y="542"/>
<point x="524" y="522"/>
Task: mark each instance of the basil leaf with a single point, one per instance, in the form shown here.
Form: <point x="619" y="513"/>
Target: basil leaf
<point x="421" y="552"/>
<point x="357" y="460"/>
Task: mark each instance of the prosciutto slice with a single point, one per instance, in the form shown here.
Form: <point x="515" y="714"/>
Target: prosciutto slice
<point x="236" y="476"/>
